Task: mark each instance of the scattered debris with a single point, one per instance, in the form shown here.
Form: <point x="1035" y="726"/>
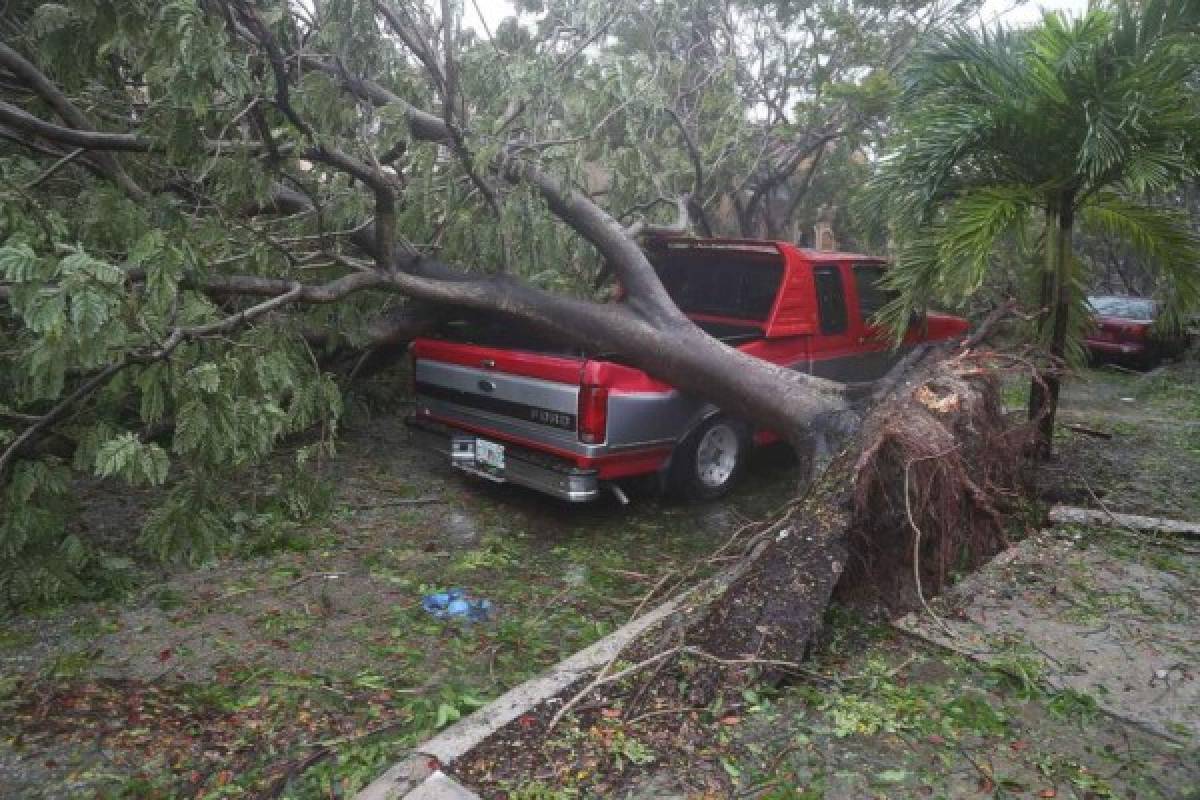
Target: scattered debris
<point x="1091" y="516"/>
<point x="1094" y="618"/>
<point x="1086" y="431"/>
<point x="455" y="603"/>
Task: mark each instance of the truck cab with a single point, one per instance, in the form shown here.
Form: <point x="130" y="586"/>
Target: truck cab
<point x="569" y="422"/>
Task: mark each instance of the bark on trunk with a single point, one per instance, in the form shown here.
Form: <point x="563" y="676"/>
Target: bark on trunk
<point x="909" y="497"/>
<point x="1055" y="297"/>
<point x="1062" y="315"/>
<point x="1037" y="386"/>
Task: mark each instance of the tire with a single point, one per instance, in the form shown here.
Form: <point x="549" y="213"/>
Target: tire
<point x="709" y="462"/>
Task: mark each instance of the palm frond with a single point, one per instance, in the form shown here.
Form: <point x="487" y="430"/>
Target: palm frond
<point x="949" y="259"/>
<point x="1141" y="26"/>
<point x="1163" y="235"/>
<point x="913" y="275"/>
<point x="973" y="225"/>
<point x="1071" y="112"/>
<point x="1153" y="171"/>
<point x="969" y="66"/>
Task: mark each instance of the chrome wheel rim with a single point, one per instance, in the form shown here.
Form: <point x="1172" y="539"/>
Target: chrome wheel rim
<point x="716" y="456"/>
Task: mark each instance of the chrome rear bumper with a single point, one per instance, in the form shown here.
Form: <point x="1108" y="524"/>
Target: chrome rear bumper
<point x="522" y="466"/>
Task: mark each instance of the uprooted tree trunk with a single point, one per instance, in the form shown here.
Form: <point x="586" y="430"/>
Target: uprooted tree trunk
<point x="915" y="491"/>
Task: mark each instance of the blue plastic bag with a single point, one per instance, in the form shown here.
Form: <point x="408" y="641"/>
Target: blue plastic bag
<point x="454" y="604"/>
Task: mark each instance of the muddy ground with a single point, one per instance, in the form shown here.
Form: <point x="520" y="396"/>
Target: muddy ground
<point x="1069" y="667"/>
<point x="305" y="671"/>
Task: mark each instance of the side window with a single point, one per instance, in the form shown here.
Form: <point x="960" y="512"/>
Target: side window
<point x="831" y="301"/>
<point x="872" y="296"/>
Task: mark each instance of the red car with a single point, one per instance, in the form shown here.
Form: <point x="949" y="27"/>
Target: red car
<point x="510" y="408"/>
<point x="1123" y="330"/>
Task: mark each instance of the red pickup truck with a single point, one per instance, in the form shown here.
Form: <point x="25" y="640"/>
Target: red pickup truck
<point x="508" y="408"/>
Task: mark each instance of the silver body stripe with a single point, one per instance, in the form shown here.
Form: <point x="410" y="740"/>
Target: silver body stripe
<point x="635" y="419"/>
<point x="652" y="417"/>
<point x="518" y="389"/>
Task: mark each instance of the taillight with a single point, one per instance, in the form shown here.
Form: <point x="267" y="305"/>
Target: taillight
<point x="421" y="409"/>
<point x="593" y="414"/>
<point x="1135" y="333"/>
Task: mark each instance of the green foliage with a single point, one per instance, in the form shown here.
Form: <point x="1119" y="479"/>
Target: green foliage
<point x="41" y="560"/>
<point x="108" y="258"/>
<point x="73" y="314"/>
<point x="1010" y="139"/>
<point x="129" y="457"/>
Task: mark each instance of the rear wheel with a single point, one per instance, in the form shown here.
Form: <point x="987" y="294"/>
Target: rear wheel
<point x="708" y="463"/>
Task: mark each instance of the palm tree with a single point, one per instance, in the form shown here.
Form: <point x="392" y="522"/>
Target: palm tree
<point x="1021" y="136"/>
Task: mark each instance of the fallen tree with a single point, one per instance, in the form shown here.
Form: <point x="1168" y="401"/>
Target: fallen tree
<point x="197" y="195"/>
<point x="250" y="194"/>
<point x="917" y="487"/>
<point x="916" y="492"/>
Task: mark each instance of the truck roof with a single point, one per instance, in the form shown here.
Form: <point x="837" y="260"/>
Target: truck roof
<point x="756" y="245"/>
<point x="794" y="308"/>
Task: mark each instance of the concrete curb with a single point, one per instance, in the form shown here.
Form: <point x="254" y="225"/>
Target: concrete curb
<point x="418" y="776"/>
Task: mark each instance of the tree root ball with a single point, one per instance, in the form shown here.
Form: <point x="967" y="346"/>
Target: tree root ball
<point x="918" y="493"/>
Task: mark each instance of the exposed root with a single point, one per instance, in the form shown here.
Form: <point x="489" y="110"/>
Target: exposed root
<point x="916" y="551"/>
<point x="919" y="492"/>
<point x="940" y="466"/>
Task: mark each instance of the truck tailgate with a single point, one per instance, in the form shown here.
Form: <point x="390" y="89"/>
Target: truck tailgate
<point x="524" y="397"/>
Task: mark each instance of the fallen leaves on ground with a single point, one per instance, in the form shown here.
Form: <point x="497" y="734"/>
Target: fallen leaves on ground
<point x="206" y="735"/>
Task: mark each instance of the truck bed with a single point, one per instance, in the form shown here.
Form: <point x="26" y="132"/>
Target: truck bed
<point x="494" y="331"/>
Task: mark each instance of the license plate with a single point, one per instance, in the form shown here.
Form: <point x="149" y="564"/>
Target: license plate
<point x="489" y="454"/>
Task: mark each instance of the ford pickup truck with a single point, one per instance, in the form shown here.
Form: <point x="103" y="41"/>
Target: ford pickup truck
<point x="503" y="406"/>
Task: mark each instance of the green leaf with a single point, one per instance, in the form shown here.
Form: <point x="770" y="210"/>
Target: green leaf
<point x="154" y="464"/>
<point x="116" y="456"/>
<point x="81" y="265"/>
<point x="146" y="248"/>
<point x="43" y="311"/>
<point x="446" y="714"/>
<point x="153" y="395"/>
<point x="89" y="311"/>
<point x="892" y="776"/>
<point x="205" y="378"/>
<point x="18" y="263"/>
<point x="136" y="461"/>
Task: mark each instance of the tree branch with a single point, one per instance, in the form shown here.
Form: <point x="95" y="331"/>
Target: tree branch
<point x="294" y="292"/>
<point x="423" y="125"/>
<point x="54" y="168"/>
<point x="630" y="264"/>
<point x="56" y="99"/>
<point x="52" y="416"/>
<point x="266" y="40"/>
<point x="695" y="201"/>
<point x="101" y="141"/>
<point x="643" y="228"/>
<point x="415" y="42"/>
<point x="785" y="171"/>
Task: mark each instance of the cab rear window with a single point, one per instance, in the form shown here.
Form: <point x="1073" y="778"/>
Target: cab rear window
<point x="722" y="284"/>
